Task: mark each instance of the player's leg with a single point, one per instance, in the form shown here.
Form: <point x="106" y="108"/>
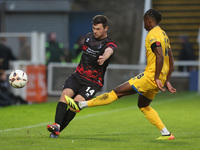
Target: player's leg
<point x="104" y="99"/>
<point x="60" y="112"/>
<point x="142" y="84"/>
<point x="152" y="116"/>
<point x="147" y="90"/>
<point x="69" y="88"/>
<point x="107" y="98"/>
<point x="64" y="122"/>
<point x="126" y="88"/>
<point x="85" y="92"/>
<point x="149" y="112"/>
<point x="69" y="116"/>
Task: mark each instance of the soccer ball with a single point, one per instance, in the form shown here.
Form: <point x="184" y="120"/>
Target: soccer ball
<point x="18" y="79"/>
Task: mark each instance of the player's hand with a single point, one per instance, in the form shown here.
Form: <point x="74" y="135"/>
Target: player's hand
<point x="160" y="85"/>
<point x="101" y="60"/>
<point x="169" y="87"/>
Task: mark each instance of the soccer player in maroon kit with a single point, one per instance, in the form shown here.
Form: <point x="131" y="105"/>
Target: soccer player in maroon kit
<point x="88" y="78"/>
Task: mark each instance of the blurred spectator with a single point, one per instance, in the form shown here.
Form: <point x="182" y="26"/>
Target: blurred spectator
<point x="6" y="96"/>
<point x="6" y="54"/>
<point x="25" y="50"/>
<point x="77" y="52"/>
<point x="54" y="50"/>
<point x="4" y="99"/>
<point x="67" y="54"/>
<point x="186" y="53"/>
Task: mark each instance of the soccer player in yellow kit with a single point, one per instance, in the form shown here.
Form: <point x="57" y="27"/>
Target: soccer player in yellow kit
<point x="147" y="84"/>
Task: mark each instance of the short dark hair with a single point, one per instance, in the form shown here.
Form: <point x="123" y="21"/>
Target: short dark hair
<point x="100" y="19"/>
<point x="153" y="14"/>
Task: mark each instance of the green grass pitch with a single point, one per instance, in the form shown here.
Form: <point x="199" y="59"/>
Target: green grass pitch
<point x="118" y="126"/>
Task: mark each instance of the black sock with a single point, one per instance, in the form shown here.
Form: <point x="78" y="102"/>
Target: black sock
<point x="60" y="112"/>
<point x="64" y="123"/>
<point x="69" y="115"/>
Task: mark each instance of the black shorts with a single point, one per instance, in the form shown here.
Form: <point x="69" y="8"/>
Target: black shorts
<point x="80" y="86"/>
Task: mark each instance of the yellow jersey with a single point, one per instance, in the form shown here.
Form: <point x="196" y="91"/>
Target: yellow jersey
<point x="157" y="35"/>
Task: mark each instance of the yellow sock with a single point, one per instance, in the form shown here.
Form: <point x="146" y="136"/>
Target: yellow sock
<point x="153" y="117"/>
<point x="103" y="99"/>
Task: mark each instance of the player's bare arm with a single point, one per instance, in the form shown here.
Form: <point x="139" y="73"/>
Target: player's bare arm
<point x="102" y="58"/>
<point x="171" y="65"/>
<point x="159" y="63"/>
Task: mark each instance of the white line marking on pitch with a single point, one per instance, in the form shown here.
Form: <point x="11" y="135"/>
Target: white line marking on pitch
<point x="98" y="114"/>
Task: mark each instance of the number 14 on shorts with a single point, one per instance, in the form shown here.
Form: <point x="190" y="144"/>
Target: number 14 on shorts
<point x="89" y="91"/>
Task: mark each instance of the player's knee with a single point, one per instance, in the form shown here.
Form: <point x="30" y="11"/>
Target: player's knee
<point x="142" y="105"/>
<point x="139" y="105"/>
<point x="67" y="92"/>
<point x="63" y="101"/>
<point x="143" y="101"/>
<point x="144" y="109"/>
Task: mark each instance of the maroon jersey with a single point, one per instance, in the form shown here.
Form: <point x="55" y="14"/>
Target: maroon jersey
<point x="88" y="67"/>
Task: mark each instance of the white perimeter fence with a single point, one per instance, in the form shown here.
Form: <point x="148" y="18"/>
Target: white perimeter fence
<point x="116" y="74"/>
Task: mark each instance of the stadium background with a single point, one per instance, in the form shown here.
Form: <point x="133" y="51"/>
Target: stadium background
<point x="72" y="18"/>
<point x="117" y="126"/>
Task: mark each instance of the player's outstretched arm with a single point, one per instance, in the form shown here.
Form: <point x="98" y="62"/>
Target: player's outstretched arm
<point x="102" y="58"/>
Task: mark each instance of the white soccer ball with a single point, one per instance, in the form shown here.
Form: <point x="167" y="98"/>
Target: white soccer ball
<point x="18" y="79"/>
